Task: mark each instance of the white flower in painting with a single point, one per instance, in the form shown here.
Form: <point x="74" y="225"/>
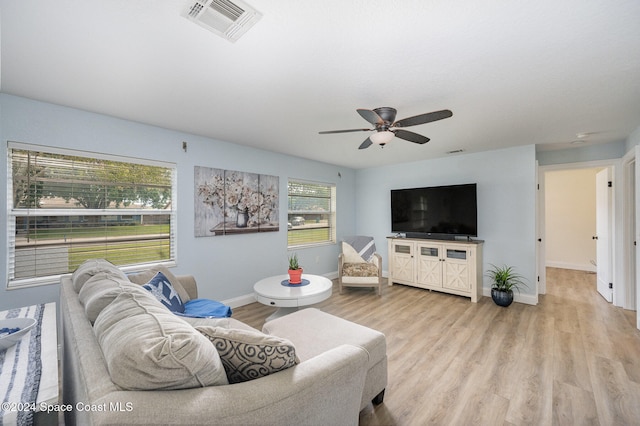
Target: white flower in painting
<point x="238" y="192"/>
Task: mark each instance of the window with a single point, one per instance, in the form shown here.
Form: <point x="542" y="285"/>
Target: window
<point x="311" y="214"/>
<point x="68" y="206"/>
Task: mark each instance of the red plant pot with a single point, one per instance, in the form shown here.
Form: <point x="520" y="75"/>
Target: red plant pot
<point x="295" y="276"/>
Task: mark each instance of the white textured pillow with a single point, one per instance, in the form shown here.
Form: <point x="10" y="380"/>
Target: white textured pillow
<point x="90" y="268"/>
<point x="147" y="347"/>
<point x="102" y="289"/>
<point x="350" y="254"/>
<point x="248" y="355"/>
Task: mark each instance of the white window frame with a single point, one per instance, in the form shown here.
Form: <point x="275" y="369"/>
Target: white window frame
<point x="12" y="213"/>
<point x="331" y="214"/>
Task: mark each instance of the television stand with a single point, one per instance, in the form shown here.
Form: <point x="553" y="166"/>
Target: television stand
<point x="448" y="266"/>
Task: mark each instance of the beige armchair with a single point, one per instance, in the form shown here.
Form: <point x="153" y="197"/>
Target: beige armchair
<point x="359" y="265"/>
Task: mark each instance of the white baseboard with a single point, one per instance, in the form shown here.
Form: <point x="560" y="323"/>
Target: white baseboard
<point x="332" y="275"/>
<point x="567" y="265"/>
<point x="236" y="302"/>
<point x="527" y="299"/>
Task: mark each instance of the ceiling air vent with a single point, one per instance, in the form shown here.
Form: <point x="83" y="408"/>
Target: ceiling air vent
<point x="230" y="20"/>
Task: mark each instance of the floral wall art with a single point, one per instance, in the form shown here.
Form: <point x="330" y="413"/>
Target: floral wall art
<point x="233" y="202"/>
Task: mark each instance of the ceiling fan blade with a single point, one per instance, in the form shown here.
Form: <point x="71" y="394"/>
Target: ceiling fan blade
<point x="410" y="136"/>
<point x="423" y="118"/>
<point x="371" y="116"/>
<point x="326" y="132"/>
<point x="366" y="144"/>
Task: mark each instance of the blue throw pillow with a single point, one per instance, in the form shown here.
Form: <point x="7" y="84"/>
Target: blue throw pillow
<point x="205" y="308"/>
<point x="162" y="289"/>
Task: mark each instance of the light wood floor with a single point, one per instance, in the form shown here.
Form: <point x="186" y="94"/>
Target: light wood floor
<point x="571" y="360"/>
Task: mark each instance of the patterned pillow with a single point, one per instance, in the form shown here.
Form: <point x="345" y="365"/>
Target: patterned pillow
<point x="161" y="288"/>
<point x="248" y="355"/>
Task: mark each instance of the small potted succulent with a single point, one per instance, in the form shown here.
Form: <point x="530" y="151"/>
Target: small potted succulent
<point x="504" y="280"/>
<point x="295" y="271"/>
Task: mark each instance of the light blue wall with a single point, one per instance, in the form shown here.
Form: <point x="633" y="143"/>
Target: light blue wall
<point x="633" y="140"/>
<point x="607" y="151"/>
<point x="226" y="266"/>
<point x="506" y="188"/>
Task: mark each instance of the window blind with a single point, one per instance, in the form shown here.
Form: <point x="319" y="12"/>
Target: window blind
<point x="68" y="206"/>
<point x="311" y="213"/>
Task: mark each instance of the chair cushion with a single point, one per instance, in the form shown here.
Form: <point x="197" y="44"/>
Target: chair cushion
<point x="359" y="270"/>
<point x="364" y="245"/>
<point x="248" y="355"/>
<point x="350" y="254"/>
<point x="147" y="347"/>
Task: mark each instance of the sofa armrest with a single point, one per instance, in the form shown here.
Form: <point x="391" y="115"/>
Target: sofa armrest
<point x="325" y="389"/>
<point x="189" y="284"/>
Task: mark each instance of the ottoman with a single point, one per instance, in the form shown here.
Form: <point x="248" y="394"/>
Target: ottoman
<point x="313" y="332"/>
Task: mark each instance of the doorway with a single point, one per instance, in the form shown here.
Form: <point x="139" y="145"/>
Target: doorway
<point x="567" y="222"/>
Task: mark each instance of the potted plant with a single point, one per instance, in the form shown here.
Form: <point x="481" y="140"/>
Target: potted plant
<point x="503" y="280"/>
<point x="295" y="271"/>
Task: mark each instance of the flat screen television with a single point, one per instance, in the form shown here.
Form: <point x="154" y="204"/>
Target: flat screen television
<point x="435" y="212"/>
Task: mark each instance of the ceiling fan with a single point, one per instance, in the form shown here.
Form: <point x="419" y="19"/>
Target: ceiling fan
<point x="387" y="128"/>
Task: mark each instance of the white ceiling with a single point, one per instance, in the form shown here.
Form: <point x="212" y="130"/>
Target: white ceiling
<point x="513" y="73"/>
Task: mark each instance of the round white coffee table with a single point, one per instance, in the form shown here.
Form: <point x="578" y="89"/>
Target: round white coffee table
<point x="276" y="291"/>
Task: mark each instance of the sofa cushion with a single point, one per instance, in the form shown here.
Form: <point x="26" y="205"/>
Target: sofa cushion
<point x="90" y="268"/>
<point x="248" y="355"/>
<point x="147" y="347"/>
<point x="166" y="294"/>
<point x="219" y="322"/>
<point x="145" y="276"/>
<point x="102" y="289"/>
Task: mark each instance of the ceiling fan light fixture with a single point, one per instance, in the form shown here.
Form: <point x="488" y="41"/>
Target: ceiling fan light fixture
<point x="382" y="138"/>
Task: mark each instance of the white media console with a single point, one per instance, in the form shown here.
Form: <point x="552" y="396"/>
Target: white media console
<point x="449" y="266"/>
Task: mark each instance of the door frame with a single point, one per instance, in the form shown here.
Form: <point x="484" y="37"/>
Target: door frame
<point x="603" y="234"/>
<point x="631" y="218"/>
<point x="617" y="269"/>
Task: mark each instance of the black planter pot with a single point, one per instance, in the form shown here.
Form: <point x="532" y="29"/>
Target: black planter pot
<point x="502" y="298"/>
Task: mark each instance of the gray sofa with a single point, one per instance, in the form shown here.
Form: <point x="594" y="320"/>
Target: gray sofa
<point x="326" y="388"/>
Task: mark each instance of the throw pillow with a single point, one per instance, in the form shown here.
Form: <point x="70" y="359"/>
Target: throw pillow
<point x="143" y="277"/>
<point x="91" y="267"/>
<point x="350" y="255"/>
<point x="248" y="355"/>
<point x="146" y="347"/>
<point x="162" y="290"/>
